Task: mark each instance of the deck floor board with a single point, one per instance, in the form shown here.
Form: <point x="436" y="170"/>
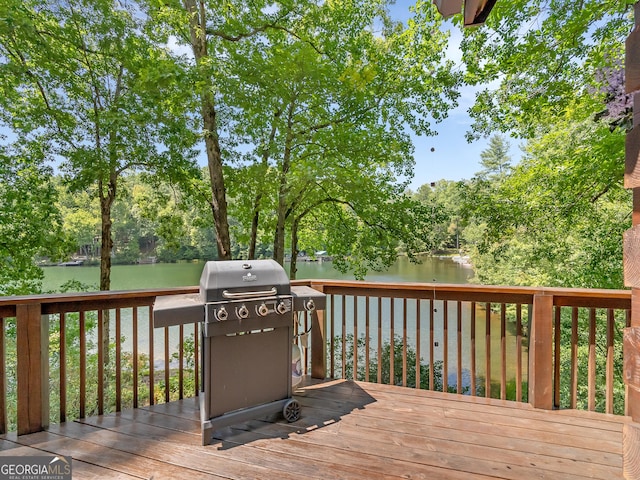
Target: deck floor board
<point x="348" y="430"/>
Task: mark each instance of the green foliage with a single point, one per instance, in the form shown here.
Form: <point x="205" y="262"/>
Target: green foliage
<point x="543" y="57"/>
<point x="495" y="159"/>
<point x="324" y="103"/>
<point x="85" y="79"/>
<point x="444" y="199"/>
<point x="557" y="218"/>
<point x="29" y="222"/>
<point x="305" y="113"/>
<point x="385" y="367"/>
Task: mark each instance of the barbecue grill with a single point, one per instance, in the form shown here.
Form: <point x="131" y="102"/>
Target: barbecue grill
<point x="246" y="313"/>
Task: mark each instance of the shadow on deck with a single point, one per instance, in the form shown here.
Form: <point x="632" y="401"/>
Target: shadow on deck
<point x="347" y="430"/>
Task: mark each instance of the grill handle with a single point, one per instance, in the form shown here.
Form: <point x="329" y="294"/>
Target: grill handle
<point x="263" y="293"/>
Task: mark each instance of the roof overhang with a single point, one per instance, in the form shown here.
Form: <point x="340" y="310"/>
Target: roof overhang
<point x="475" y="11"/>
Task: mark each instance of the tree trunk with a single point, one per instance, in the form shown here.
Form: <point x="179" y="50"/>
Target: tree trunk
<point x="255" y="221"/>
<point x="218" y="191"/>
<point x="293" y="268"/>
<point x="106" y="202"/>
<point x="283" y="189"/>
<point x="197" y="28"/>
<point x="278" y="241"/>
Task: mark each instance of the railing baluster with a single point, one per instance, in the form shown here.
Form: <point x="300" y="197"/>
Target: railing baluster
<point x="332" y="337"/>
<point x="556" y="358"/>
<point x="392" y="348"/>
<point x="487" y="348"/>
<point x="118" y="360"/>
<point x="592" y="360"/>
<point x="418" y="341"/>
<point x="473" y="349"/>
<point x="519" y="352"/>
<point x="166" y="365"/>
<point x="83" y="365"/>
<point x="432" y="342"/>
<point x="181" y="362"/>
<point x="503" y="351"/>
<point x="459" y="347"/>
<point x="367" y="345"/>
<point x="344" y="336"/>
<point x="305" y="349"/>
<point x="63" y="368"/>
<point x="379" y="340"/>
<point x="151" y="355"/>
<point x="355" y="337"/>
<point x="196" y="354"/>
<point x="609" y="367"/>
<point x="134" y="322"/>
<point x="101" y="353"/>
<point x="445" y="340"/>
<point x="404" y="342"/>
<point x="574" y="357"/>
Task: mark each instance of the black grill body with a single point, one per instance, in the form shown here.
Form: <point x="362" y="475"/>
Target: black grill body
<point x="246" y="314"/>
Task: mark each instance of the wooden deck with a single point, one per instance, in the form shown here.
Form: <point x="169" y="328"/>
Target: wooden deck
<point x="347" y="430"/>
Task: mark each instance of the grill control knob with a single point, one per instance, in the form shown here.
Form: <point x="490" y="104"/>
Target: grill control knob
<point x="222" y="314"/>
<point x="263" y="310"/>
<point x="282" y="308"/>
<point x="243" y="312"/>
<point x="310" y="305"/>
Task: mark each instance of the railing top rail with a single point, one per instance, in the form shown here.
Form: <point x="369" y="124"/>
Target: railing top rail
<point x="68" y="302"/>
<point x="578" y="297"/>
<point x="89" y="296"/>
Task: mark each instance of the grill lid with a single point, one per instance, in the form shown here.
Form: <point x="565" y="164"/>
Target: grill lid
<point x="238" y="279"/>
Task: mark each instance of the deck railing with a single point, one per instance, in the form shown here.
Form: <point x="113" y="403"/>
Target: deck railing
<point x="553" y="348"/>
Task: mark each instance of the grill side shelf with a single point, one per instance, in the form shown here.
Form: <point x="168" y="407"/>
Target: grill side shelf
<point x="307" y="299"/>
<point x="177" y="310"/>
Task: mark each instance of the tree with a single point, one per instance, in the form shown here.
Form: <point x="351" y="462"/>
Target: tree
<point x="327" y="106"/>
<point x="495" y="159"/>
<point x="543" y="56"/>
<point x="29" y="222"/>
<point x="280" y="80"/>
<point x="85" y="78"/>
<point x="208" y="28"/>
<point x="550" y="220"/>
<point x="444" y="198"/>
<point x="557" y="218"/>
<point x="80" y="212"/>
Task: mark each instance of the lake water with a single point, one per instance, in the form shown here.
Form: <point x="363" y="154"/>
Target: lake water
<point x="161" y="275"/>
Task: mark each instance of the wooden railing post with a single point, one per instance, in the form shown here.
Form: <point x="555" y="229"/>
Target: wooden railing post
<point x="541" y="353"/>
<point x="33" y="368"/>
<point x="318" y="342"/>
<point x="631" y="249"/>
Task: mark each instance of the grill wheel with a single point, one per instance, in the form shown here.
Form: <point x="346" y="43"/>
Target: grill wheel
<point x="291" y="411"/>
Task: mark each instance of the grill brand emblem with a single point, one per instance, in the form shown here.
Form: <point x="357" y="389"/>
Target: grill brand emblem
<point x="249" y="277"/>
